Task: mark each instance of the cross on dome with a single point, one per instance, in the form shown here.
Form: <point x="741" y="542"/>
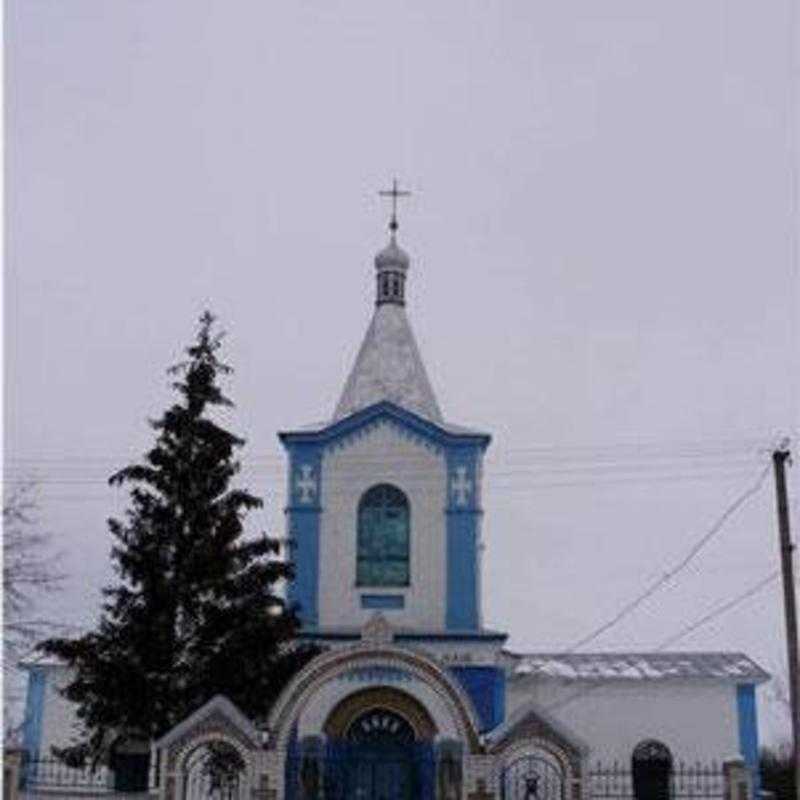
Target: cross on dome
<point x="394" y="193"/>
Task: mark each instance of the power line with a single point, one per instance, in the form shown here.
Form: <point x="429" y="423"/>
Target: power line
<point x="631" y="606"/>
<point x="644" y="450"/>
<point x="728" y="606"/>
<point x="731" y="604"/>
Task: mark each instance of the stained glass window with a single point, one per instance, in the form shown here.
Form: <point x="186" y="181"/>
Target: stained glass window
<point x="383" y="537"/>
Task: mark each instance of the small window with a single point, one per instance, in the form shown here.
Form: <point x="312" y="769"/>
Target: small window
<point x="383" y="537"/>
<point x="652" y="770"/>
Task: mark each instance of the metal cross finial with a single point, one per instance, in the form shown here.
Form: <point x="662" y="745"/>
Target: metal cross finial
<point x="394" y="193"/>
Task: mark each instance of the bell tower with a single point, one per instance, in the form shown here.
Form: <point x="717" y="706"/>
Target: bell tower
<point x="385" y="498"/>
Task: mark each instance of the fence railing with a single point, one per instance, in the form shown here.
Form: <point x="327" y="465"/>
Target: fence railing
<point x="685" y="782"/>
<point x="43" y="772"/>
<point x="50" y="776"/>
<point x="50" y="773"/>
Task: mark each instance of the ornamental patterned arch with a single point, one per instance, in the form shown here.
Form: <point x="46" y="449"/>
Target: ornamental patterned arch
<point x="337" y="663"/>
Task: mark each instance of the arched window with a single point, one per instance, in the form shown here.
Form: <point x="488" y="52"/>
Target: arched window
<point x="380" y="727"/>
<point x="652" y="770"/>
<point x="383" y="537"/>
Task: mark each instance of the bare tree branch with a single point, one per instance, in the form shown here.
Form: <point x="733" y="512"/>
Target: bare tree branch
<point x="28" y="571"/>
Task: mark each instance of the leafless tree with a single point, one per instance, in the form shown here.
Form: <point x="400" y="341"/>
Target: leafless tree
<point x="29" y="571"/>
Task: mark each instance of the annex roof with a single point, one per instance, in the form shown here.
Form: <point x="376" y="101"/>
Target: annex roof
<point x="736" y="667"/>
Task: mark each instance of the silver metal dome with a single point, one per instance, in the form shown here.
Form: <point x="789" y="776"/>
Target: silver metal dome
<point x="392" y="257"/>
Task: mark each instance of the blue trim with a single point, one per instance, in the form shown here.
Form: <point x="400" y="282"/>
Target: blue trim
<point x="486" y="687"/>
<point x="463" y="532"/>
<point x="748" y="727"/>
<point x="34" y="711"/>
<point x="443" y="636"/>
<point x="303" y="519"/>
<point x="351" y="424"/>
<point x="383" y="601"/>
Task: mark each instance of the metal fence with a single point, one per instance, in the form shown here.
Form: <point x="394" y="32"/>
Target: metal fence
<point x="685" y="782"/>
<point x="50" y="776"/>
<point x="51" y="779"/>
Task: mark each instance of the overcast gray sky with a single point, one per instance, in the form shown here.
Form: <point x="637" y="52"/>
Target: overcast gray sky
<point x="604" y="268"/>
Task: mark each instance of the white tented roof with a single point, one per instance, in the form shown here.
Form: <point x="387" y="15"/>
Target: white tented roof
<point x="637" y="666"/>
<point x="389" y="367"/>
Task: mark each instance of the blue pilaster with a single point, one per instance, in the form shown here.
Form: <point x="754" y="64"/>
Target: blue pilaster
<point x="748" y="727"/>
<point x="34" y="710"/>
<point x="486" y="687"/>
<point x="303" y="517"/>
<point x="463" y="532"/>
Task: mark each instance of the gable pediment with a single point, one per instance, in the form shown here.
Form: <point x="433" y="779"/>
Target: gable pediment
<point x="218" y="717"/>
<point x="408" y="424"/>
<point x="532" y="723"/>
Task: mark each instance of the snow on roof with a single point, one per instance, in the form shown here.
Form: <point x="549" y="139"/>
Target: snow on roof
<point x="38" y="659"/>
<point x="389" y="367"/>
<point x="638" y="666"/>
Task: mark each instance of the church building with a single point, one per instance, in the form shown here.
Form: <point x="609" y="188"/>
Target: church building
<point x="412" y="696"/>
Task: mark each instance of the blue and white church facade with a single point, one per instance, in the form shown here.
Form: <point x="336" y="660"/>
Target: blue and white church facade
<point x="412" y="696"/>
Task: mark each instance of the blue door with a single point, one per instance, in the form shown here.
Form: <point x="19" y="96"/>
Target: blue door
<point x="381" y="776"/>
<point x="380" y="759"/>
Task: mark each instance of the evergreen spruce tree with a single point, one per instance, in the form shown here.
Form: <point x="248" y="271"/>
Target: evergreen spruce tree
<point x="195" y="609"/>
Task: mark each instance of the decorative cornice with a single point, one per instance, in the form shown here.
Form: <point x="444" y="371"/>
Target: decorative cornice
<point x="413" y="423"/>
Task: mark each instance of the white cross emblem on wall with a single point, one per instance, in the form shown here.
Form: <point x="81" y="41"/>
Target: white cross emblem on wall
<point x="461" y="486"/>
<point x="306" y="484"/>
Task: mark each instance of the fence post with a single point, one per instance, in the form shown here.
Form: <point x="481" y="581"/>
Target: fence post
<point x="12" y="768"/>
<point x="738" y="781"/>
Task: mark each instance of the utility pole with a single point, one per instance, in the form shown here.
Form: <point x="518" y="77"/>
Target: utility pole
<point x="779" y="459"/>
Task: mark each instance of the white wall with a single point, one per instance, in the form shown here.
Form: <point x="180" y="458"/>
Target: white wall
<point x="384" y="454"/>
<point x="697" y="720"/>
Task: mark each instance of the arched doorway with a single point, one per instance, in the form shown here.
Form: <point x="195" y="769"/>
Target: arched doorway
<point x="214" y="770"/>
<point x="378" y="760"/>
<point x="533" y="776"/>
<point x="378" y="746"/>
<point x="651" y="766"/>
<point x="381" y="756"/>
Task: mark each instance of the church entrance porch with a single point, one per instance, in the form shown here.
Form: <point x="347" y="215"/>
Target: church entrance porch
<point x="373" y="721"/>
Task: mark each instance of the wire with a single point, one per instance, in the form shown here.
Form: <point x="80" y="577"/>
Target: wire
<point x="641" y="450"/>
<point x="721" y="610"/>
<point x="682" y="634"/>
<point x="631" y="606"/>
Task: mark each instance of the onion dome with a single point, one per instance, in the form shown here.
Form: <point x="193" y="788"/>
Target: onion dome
<point x="391" y="265"/>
